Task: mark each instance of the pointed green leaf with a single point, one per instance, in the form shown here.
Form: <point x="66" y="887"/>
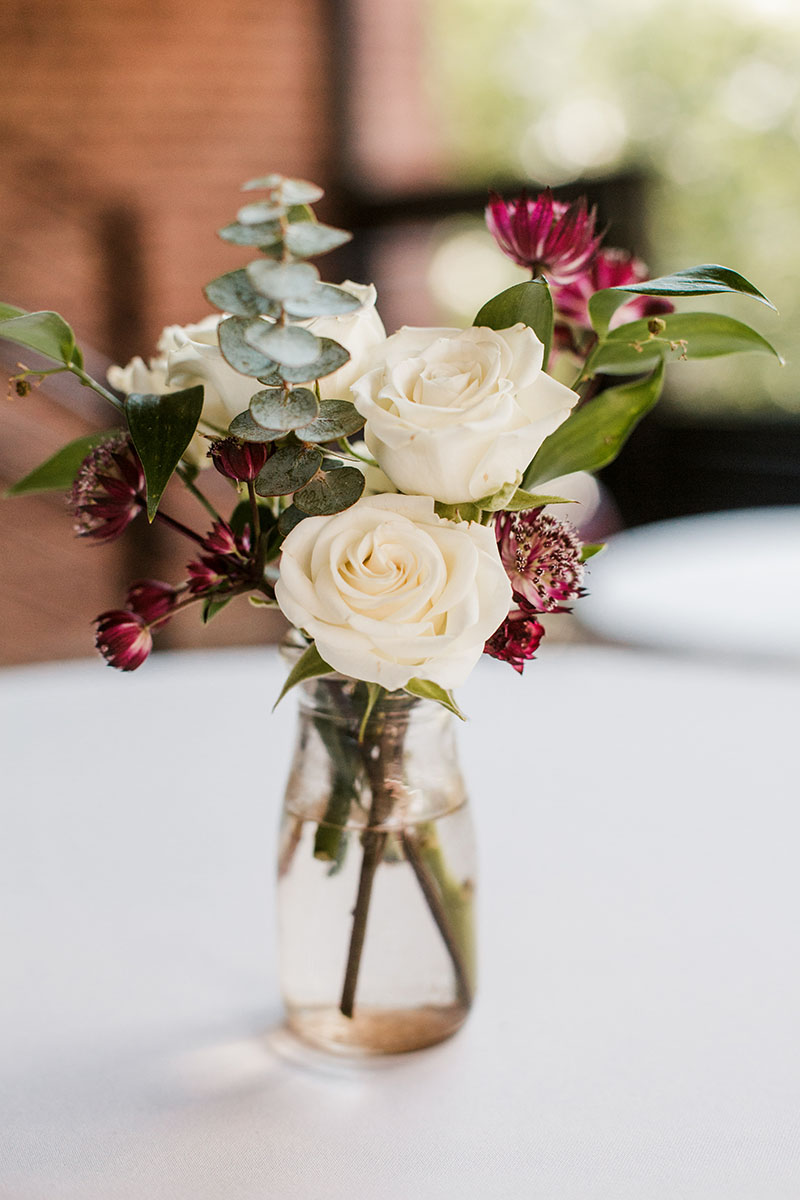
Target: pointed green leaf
<point x="161" y="428"/>
<point x="705" y="280"/>
<point x="309" y="666"/>
<point x="212" y="605"/>
<point x="337" y="419"/>
<point x="277" y="409"/>
<point x="45" y="332"/>
<point x="530" y="303"/>
<point x="332" y="492"/>
<point x="57" y="473"/>
<point x="630" y="349"/>
<point x="234" y="293"/>
<point x="239" y="353"/>
<point x="10" y="310"/>
<point x="289" y="468"/>
<point x="589" y="549"/>
<point x="593" y="435"/>
<point x="324" y="300"/>
<point x="431" y="691"/>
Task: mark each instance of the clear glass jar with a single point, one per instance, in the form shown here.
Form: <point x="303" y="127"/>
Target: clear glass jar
<point x="376" y="874"/>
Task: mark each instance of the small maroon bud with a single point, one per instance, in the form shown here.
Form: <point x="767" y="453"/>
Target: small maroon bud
<point x="123" y="639"/>
<point x="151" y="599"/>
<point x="239" y="460"/>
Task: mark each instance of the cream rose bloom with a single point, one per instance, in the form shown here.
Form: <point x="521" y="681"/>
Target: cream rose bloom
<point x="459" y="414"/>
<point x="390" y="592"/>
<point x="189" y="355"/>
<point x="360" y="332"/>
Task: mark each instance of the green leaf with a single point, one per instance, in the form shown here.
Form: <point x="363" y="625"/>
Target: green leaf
<point x="277" y="409"/>
<point x="288" y="345"/>
<point x="239" y="353"/>
<point x="45" y="332"/>
<point x="259" y="212"/>
<point x="593" y="435"/>
<point x="589" y="549"/>
<point x="57" y="473"/>
<point x="282" y="281"/>
<point x="289" y="468"/>
<point x="374" y="693"/>
<point x="331" y="357"/>
<point x="337" y="419"/>
<point x="331" y="492"/>
<point x="212" y="605"/>
<point x="10" y="310"/>
<point x="705" y="280"/>
<point x="431" y="691"/>
<point x="161" y="428"/>
<point x="630" y="349"/>
<point x="290" y="517"/>
<point x="306" y="239"/>
<point x="309" y="666"/>
<point x="530" y="302"/>
<point x="522" y="501"/>
<point x="233" y="293"/>
<point x="324" y="300"/>
<point x="243" y="426"/>
<point x="265" y="234"/>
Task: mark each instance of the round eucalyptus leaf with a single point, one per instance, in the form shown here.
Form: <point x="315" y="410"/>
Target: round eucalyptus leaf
<point x="282" y="281"/>
<point x="290" y="517"/>
<point x="289" y="345"/>
<point x="299" y="191"/>
<point x="241" y="355"/>
<point x="307" y="238"/>
<point x="258" y="213"/>
<point x="324" y="300"/>
<point x="277" y="409"/>
<point x="289" y="468"/>
<point x="248" y="430"/>
<point x="264" y="183"/>
<point x="330" y="358"/>
<point x="234" y="293"/>
<point x="337" y="419"/>
<point x="330" y="493"/>
<point x="263" y="234"/>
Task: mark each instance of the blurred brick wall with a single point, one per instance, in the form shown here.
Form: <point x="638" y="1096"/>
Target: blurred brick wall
<point x="126" y="130"/>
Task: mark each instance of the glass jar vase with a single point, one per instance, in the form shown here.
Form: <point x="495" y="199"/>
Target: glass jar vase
<point x="376" y="873"/>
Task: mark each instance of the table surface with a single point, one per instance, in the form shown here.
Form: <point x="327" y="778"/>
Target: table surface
<point x="635" y="1036"/>
<point x="720" y="583"/>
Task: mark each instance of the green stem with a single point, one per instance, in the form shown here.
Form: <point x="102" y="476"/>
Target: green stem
<point x="439" y="913"/>
<point x="87" y="381"/>
<point x="192" y="487"/>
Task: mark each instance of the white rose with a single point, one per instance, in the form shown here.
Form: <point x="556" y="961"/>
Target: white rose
<point x="459" y="414"/>
<point x="190" y="355"/>
<point x="390" y="592"/>
<point x="360" y="332"/>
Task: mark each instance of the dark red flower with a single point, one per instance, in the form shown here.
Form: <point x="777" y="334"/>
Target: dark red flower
<point x="610" y="268"/>
<point x="548" y="236"/>
<point x="123" y="638"/>
<point x="542" y="558"/>
<point x="517" y="639"/>
<point x="151" y="599"/>
<point x="239" y="460"/>
<point x="228" y="560"/>
<point x="109" y="490"/>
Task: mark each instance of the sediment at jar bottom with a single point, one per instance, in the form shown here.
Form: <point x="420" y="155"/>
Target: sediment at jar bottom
<point x="376" y="1031"/>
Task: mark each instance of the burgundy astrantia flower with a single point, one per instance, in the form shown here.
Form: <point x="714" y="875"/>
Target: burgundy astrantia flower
<point x="610" y="268"/>
<point x="123" y="638"/>
<point x="152" y="600"/>
<point x="239" y="460"/>
<point x="109" y="490"/>
<point x="548" y="236"/>
<point x="227" y="562"/>
<point x="517" y="639"/>
<point x="542" y="559"/>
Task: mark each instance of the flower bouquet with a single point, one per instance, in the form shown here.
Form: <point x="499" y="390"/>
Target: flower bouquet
<point x="391" y="495"/>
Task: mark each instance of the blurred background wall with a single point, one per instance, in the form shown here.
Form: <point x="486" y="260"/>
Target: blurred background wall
<point x="127" y="127"/>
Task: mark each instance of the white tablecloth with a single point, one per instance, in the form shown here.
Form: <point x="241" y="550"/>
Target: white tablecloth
<point x="636" y="1033"/>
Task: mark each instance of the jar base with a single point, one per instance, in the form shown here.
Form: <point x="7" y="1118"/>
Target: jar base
<point x="376" y="1030"/>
